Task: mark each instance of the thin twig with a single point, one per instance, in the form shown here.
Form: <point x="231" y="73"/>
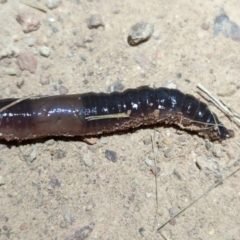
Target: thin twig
<point x="12" y="104"/>
<point x="200" y="197"/>
<point x="108" y="116"/>
<point x="18" y="100"/>
<point x="156" y="184"/>
<point x="234" y="116"/>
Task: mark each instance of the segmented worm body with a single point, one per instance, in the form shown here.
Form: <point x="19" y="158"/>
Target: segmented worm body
<point x="91" y="114"/>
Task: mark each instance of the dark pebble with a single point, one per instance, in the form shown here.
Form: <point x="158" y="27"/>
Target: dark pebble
<point x="140" y="32"/>
<point x="229" y="29"/>
<point x="54" y="182"/>
<point x="141" y="230"/>
<point x="179" y="75"/>
<point x="58" y="154"/>
<point x="111" y="155"/>
<point x="82" y="233"/>
<point x="116" y="87"/>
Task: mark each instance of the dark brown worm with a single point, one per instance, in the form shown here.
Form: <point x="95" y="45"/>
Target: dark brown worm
<point x="91" y="114"/>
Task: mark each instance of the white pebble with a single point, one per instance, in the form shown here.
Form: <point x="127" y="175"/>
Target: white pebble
<point x="51" y="19"/>
<point x="45" y="51"/>
<point x="31" y="42"/>
<point x="87" y="160"/>
<point x="148" y="195"/>
<point x="51" y="4"/>
<point x="2" y="182"/>
<point x="170" y="84"/>
<point x="95" y="21"/>
<point x="149" y="162"/>
<point x="228" y="90"/>
<point x="10" y="71"/>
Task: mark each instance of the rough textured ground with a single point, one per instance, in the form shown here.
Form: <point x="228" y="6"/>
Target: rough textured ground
<point x="66" y="189"/>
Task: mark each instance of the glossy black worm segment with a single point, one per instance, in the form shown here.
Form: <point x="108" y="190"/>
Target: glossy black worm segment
<point x="91" y="114"/>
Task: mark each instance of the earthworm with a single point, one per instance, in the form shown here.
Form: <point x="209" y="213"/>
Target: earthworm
<point x="92" y="114"/>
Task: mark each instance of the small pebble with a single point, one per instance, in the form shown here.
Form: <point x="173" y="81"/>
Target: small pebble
<point x="10" y="71"/>
<point x="52" y="4"/>
<point x="226" y="91"/>
<point x="141" y="231"/>
<point x="116" y="87"/>
<point x="174" y="211"/>
<point x="83" y="58"/>
<point x="166" y="234"/>
<point x="23" y="226"/>
<point x="168" y="153"/>
<point x="177" y="174"/>
<point x="134" y="183"/>
<point x="29" y="153"/>
<point x="140" y="32"/>
<point x="167" y="141"/>
<point x="149" y="162"/>
<point x="39" y="201"/>
<point x="142" y="61"/>
<point x="157" y="36"/>
<point x="31" y="42"/>
<point x="91" y="141"/>
<point x="20" y="82"/>
<point x="83" y="233"/>
<point x="208" y="145"/>
<point x="205" y="26"/>
<point x="111" y="155"/>
<point x="229" y="29"/>
<point x="147" y="140"/>
<point x="59" y="154"/>
<point x="45" y="81"/>
<point x="172" y="221"/>
<point x="2" y="182"/>
<point x="5" y="62"/>
<point x="115" y="10"/>
<point x="95" y="21"/>
<point x="9" y="52"/>
<point x="104" y="140"/>
<point x="45" y="51"/>
<point x="216" y="151"/>
<point x="5" y="228"/>
<point x="63" y="224"/>
<point x="68" y="218"/>
<point x="211" y="232"/>
<point x="143" y="168"/>
<point x="210" y="165"/>
<point x="148" y="195"/>
<point x="87" y="159"/>
<point x="170" y="84"/>
<point x="63" y="90"/>
<point x="28" y="22"/>
<point x="27" y="61"/>
<point x="162" y="15"/>
<point x="54" y="182"/>
<point x="19" y="198"/>
<point x="49" y="142"/>
<point x="90" y="205"/>
<point x="51" y="19"/>
<point x="82" y="42"/>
